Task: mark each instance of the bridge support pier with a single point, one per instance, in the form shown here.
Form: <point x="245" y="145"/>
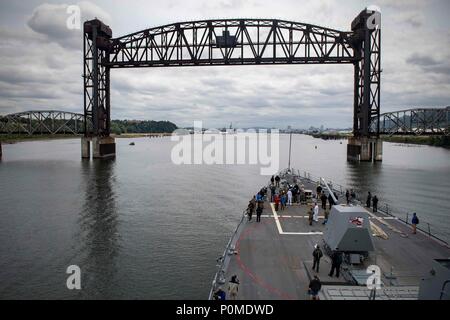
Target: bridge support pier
<point x="364" y="149"/>
<point x="103" y="147"/>
<point x="85" y="148"/>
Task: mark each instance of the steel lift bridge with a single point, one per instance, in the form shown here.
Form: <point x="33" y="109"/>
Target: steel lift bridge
<point x="229" y="42"/>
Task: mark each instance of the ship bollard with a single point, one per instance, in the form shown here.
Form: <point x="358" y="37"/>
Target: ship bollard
<point x="221" y="279"/>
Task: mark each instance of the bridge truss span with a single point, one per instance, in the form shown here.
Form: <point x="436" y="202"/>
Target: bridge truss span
<point x="232" y="42"/>
<point x="42" y="122"/>
<point x="419" y="121"/>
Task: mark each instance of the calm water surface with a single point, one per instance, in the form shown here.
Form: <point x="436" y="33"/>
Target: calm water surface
<point x="142" y="228"/>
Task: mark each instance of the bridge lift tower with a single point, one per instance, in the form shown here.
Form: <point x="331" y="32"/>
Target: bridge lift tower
<point x="366" y="145"/>
<point x="242" y="42"/>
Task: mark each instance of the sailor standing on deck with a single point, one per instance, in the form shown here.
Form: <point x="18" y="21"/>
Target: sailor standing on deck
<point x="277" y="202"/>
<point x="375" y="203"/>
<point x="277" y="181"/>
<point x="259" y="211"/>
<point x="251" y="208"/>
<point x="289" y="194"/>
<point x="317" y="254"/>
<point x="324" y="200"/>
<point x="336" y="260"/>
<point x="316" y="212"/>
<point x="283" y="200"/>
<point x="319" y="190"/>
<point x="296" y="194"/>
<point x="330" y="200"/>
<point x="369" y="199"/>
<point x="314" y="287"/>
<point x="233" y="287"/>
<point x="415" y="222"/>
<point x="272" y="192"/>
<point x="219" y="294"/>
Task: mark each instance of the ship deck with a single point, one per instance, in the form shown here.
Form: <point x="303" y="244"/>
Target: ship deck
<point x="273" y="258"/>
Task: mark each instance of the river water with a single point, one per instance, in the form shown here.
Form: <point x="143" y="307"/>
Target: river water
<point x="140" y="227"/>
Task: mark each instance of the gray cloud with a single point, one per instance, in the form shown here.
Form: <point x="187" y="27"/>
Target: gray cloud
<point x="41" y="64"/>
<point x="51" y="20"/>
<point x="403" y="4"/>
<point x="422" y="60"/>
<point x="413" y="18"/>
<point x="431" y="64"/>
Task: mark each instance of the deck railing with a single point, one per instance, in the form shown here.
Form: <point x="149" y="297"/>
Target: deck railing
<point x="219" y="278"/>
<point x="384" y="208"/>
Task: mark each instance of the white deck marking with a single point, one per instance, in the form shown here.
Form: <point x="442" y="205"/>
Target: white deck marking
<point x="277" y="222"/>
<point x="304" y="233"/>
<point x="390" y="227"/>
<point x="322" y="217"/>
<point x="280" y="230"/>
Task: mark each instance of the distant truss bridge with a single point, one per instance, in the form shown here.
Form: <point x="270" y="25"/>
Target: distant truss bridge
<point x="42" y="122"/>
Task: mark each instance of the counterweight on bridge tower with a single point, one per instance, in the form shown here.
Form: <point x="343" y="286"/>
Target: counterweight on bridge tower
<point x="226" y="40"/>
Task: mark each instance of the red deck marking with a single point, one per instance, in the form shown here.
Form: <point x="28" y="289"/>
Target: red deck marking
<point x="257" y="280"/>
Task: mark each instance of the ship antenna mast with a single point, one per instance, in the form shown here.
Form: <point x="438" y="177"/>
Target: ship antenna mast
<point x="290" y="146"/>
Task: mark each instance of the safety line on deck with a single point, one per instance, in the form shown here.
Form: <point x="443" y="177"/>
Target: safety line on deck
<point x="277" y="222"/>
<point x="389" y="226"/>
<point x="323" y="217"/>
<point x="282" y="216"/>
<point x="280" y="229"/>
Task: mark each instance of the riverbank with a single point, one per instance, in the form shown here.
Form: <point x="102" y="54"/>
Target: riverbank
<point x="15" y="138"/>
<point x="437" y="141"/>
<point x="140" y="135"/>
<point x="331" y="136"/>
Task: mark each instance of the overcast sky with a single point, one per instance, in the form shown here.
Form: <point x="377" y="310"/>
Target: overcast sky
<point x="41" y="63"/>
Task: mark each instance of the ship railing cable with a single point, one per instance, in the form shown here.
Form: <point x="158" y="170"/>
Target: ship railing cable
<point x="402" y="215"/>
<point x="220" y="274"/>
